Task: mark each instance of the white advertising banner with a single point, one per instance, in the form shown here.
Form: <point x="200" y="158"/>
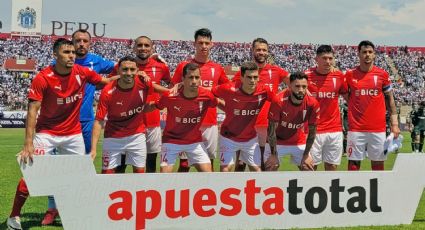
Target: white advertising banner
<point x="276" y="200"/>
<point x="26" y="17"/>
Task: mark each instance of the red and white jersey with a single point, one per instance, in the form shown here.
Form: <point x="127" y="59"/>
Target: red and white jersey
<point x="292" y="118"/>
<point x="123" y="108"/>
<point x="157" y="71"/>
<point x="61" y="98"/>
<point x="184" y="115"/>
<point x="241" y="109"/>
<point x="212" y="74"/>
<point x="272" y="76"/>
<point x="326" y="89"/>
<point x="366" y="103"/>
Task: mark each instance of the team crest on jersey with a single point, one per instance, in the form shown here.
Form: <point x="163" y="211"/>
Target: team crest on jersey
<point x="270" y="73"/>
<point x="77" y="77"/>
<point x="111" y="90"/>
<point x="304" y="113"/>
<point x="375" y="79"/>
<point x="334" y="81"/>
<point x="212" y="72"/>
<point x="201" y="106"/>
<point x="260" y="98"/>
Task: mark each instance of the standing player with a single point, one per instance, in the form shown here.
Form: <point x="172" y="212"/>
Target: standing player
<point x="82" y="41"/>
<point x="158" y="72"/>
<point x="185" y="111"/>
<point x="56" y="92"/>
<point x="212" y="74"/>
<point x="418" y="131"/>
<point x="270" y="75"/>
<point x="370" y="91"/>
<point x="326" y="85"/>
<point x="123" y="102"/>
<point x="244" y="100"/>
<point x="288" y="116"/>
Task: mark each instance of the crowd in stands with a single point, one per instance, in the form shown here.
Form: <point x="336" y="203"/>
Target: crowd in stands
<point x="408" y="73"/>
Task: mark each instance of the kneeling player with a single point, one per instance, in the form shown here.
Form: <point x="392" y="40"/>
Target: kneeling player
<point x="185" y="111"/>
<point x="287" y="118"/>
<point x="243" y="102"/>
<point x="123" y="102"/>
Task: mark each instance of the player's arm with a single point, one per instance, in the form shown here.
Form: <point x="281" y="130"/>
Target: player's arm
<point x="307" y="162"/>
<point x="149" y="107"/>
<point x="97" y="127"/>
<point x="390" y="103"/>
<point x="28" y="149"/>
<point x="272" y="161"/>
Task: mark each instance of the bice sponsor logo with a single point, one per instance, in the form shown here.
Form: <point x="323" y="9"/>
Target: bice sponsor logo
<point x="70" y="99"/>
<point x="205" y="202"/>
<point x="131" y="112"/>
<point x="188" y="120"/>
<point x="246" y="112"/>
<point x="367" y="92"/>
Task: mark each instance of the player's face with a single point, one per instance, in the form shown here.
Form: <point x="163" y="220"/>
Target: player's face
<point x="203" y="46"/>
<point x="325" y="61"/>
<point x="143" y="48"/>
<point x="192" y="80"/>
<point x="65" y="56"/>
<point x="127" y="71"/>
<point x="249" y="80"/>
<point x="299" y="88"/>
<point x="260" y="52"/>
<point x="366" y="55"/>
<point x="81" y="43"/>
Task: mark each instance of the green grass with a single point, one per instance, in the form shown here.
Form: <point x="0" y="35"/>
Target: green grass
<point x="11" y="141"/>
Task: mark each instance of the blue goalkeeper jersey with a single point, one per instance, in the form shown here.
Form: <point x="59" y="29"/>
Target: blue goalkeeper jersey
<point x="101" y="66"/>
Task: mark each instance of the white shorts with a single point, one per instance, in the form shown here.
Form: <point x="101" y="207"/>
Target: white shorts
<point x="366" y="144"/>
<point x="296" y="152"/>
<point x="210" y="139"/>
<point x="327" y="147"/>
<point x="248" y="150"/>
<point x="134" y="147"/>
<point x="46" y="144"/>
<point x="262" y="134"/>
<point x="153" y="139"/>
<point x="196" y="153"/>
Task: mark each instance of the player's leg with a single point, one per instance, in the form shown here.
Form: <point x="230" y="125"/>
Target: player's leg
<point x="169" y="153"/>
<point x="297" y="154"/>
<point x="412" y="142"/>
<point x="421" y="141"/>
<point x="210" y="141"/>
<point x="153" y="145"/>
<point x="240" y="166"/>
<point x="183" y="162"/>
<point x="112" y="152"/>
<point x="416" y="140"/>
<point x="356" y="149"/>
<point x="332" y="150"/>
<point x="122" y="166"/>
<point x="316" y="150"/>
<point x="198" y="157"/>
<point x="375" y="150"/>
<point x="228" y="150"/>
<point x="251" y="154"/>
<point x="267" y="154"/>
<point x="136" y="152"/>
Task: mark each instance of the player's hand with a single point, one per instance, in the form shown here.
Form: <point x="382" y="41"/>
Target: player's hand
<point x="158" y="57"/>
<point x="396" y="130"/>
<point x="176" y="88"/>
<point x="272" y="163"/>
<point x="26" y="153"/>
<point x="144" y="76"/>
<point x="307" y="163"/>
<point x="93" y="155"/>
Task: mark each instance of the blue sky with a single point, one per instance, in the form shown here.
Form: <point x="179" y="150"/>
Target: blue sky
<point x="389" y="22"/>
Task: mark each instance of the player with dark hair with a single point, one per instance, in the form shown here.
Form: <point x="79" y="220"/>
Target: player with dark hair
<point x="326" y="85"/>
<point x="186" y="110"/>
<point x="293" y="109"/>
<point x="57" y="93"/>
<point x="370" y="93"/>
<point x="212" y="74"/>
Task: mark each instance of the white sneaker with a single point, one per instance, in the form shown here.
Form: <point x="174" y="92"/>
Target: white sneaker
<point x="14" y="223"/>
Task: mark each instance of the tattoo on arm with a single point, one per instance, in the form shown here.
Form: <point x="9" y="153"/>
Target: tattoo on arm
<point x="271" y="136"/>
<point x="310" y="138"/>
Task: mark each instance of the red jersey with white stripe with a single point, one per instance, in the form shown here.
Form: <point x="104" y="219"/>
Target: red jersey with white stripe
<point x="123" y="108"/>
<point x="241" y="109"/>
<point x="271" y="76"/>
<point x="292" y="118"/>
<point x="61" y="98"/>
<point x="326" y="88"/>
<point x="184" y="115"/>
<point x="366" y="104"/>
<point x="157" y="71"/>
<point x="212" y="74"/>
